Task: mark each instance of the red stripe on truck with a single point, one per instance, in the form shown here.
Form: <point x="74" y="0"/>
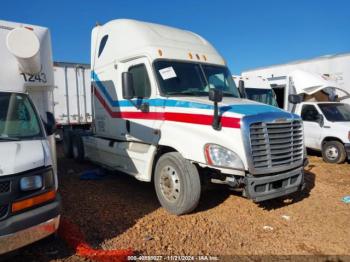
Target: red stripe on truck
<point x="199" y="119"/>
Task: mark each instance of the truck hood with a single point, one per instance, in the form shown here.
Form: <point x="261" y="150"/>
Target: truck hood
<point x="20" y="156"/>
<point x="240" y="106"/>
<point x="310" y="83"/>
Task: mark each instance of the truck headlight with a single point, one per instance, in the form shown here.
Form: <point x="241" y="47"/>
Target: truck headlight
<point x="220" y="156"/>
<point x="31" y="183"/>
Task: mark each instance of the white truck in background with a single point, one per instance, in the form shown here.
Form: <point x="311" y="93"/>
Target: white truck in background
<point x="256" y="88"/>
<point x="72" y="97"/>
<point x="166" y="110"/>
<point x="314" y="98"/>
<point x="336" y="67"/>
<point x="29" y="202"/>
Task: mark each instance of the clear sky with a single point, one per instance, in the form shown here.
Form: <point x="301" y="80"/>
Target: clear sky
<point x="247" y="33"/>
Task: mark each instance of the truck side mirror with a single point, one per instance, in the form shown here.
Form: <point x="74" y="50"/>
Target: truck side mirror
<point x="50" y="124"/>
<point x="215" y="95"/>
<point x="294" y="99"/>
<point x="320" y="120"/>
<point x="241" y="88"/>
<point x="128" y="86"/>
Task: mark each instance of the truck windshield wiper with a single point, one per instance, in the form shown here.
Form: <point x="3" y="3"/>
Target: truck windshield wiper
<point x="6" y="138"/>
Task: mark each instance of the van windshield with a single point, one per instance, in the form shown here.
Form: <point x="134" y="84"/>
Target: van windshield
<point x="336" y="112"/>
<point x="193" y="79"/>
<point x="18" y="119"/>
<point x="266" y="96"/>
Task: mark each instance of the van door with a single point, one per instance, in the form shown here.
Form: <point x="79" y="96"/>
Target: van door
<point x="144" y="116"/>
<point x="312" y="129"/>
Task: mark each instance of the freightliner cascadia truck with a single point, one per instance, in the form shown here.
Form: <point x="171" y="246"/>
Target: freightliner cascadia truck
<point x="166" y="110"/>
<point x="29" y="203"/>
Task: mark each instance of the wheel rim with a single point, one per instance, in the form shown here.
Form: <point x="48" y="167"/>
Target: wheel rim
<point x="332" y="152"/>
<point x="170" y="184"/>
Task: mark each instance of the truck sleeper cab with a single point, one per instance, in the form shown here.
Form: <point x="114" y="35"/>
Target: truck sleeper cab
<point x="166" y="110"/>
<point x="29" y="202"/>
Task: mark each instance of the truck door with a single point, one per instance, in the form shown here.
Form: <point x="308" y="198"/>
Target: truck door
<point x="312" y="129"/>
<point x="141" y="124"/>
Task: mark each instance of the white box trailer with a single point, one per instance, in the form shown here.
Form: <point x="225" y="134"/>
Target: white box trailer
<point x="72" y="96"/>
<point x="166" y="110"/>
<point x="336" y="67"/>
<point x="29" y="202"/>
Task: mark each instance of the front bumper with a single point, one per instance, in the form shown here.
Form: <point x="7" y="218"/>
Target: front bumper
<point x="260" y="188"/>
<point x="347" y="149"/>
<point x="28" y="227"/>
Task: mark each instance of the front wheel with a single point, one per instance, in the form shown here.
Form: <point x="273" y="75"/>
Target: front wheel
<point x="177" y="183"/>
<point x="333" y="152"/>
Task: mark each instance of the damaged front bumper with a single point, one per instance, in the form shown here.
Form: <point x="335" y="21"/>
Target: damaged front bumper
<point x="260" y="188"/>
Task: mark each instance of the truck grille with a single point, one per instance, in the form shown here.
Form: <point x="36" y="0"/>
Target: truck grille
<point x="276" y="144"/>
<point x="4" y="187"/>
<point x="3" y="211"/>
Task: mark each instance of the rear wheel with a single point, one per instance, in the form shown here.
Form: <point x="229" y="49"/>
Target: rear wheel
<point x="333" y="152"/>
<point x="177" y="183"/>
<point x="78" y="148"/>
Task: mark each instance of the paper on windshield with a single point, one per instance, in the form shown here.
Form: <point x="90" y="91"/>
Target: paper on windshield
<point x="167" y="73"/>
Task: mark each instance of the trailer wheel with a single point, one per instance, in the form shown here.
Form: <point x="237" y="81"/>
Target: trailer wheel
<point x="333" y="152"/>
<point x="78" y="148"/>
<point x="67" y="143"/>
<point x="177" y="183"/>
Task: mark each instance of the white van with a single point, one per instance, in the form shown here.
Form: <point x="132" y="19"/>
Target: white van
<point x="29" y="202"/>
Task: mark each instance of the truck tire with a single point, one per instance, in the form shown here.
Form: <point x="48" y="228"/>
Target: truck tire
<point x="78" y="147"/>
<point x="333" y="152"/>
<point x="67" y="143"/>
<point x="177" y="183"/>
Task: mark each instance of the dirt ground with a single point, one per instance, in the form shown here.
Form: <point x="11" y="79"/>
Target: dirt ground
<point x="119" y="212"/>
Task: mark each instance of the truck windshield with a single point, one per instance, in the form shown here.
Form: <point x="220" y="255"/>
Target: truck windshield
<point x="193" y="79"/>
<point x="265" y="96"/>
<point x="336" y="112"/>
<point x="18" y="119"/>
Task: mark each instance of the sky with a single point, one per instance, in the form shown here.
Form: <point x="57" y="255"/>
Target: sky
<point x="248" y="34"/>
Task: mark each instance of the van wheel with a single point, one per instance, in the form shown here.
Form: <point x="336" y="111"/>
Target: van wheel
<point x="67" y="143"/>
<point x="177" y="183"/>
<point x="78" y="148"/>
<point x="333" y="152"/>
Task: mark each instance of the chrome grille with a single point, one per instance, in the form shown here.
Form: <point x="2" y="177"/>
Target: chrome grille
<point x="276" y="144"/>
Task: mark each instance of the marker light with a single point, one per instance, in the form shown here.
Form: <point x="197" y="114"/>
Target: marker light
<point x="160" y="52"/>
<point x="31" y="183"/>
<point x="205" y="58"/>
<point x="198" y="57"/>
<point x="190" y="55"/>
<point x="30" y="202"/>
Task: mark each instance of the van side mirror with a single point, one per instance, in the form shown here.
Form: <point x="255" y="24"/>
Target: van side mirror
<point x="294" y="99"/>
<point x="50" y="124"/>
<point x="320" y="120"/>
<point x="215" y="95"/>
<point x="241" y="88"/>
<point x="128" y="86"/>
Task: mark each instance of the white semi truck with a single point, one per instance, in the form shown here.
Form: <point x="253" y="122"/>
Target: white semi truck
<point x="29" y="202"/>
<point x="166" y="110"/>
<point x="72" y="97"/>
